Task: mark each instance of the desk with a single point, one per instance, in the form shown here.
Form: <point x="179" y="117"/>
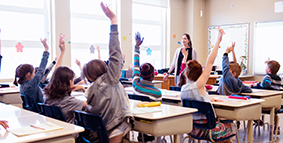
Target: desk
<point x="157" y="83"/>
<point x="19" y="118"/>
<point x="272" y="100"/>
<point x="11" y="95"/>
<point x="171" y="120"/>
<point x="236" y="109"/>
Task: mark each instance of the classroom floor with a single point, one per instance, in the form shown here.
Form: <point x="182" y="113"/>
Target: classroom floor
<point x="262" y="138"/>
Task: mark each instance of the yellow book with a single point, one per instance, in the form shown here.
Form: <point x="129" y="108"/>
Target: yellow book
<point x="149" y="104"/>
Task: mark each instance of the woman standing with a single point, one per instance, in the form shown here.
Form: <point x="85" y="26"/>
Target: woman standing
<point x="179" y="55"/>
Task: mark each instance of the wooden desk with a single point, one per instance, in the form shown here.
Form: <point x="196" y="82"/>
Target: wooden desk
<point x="272" y="100"/>
<point x="236" y="109"/>
<point x="212" y="79"/>
<point x="20" y="118"/>
<point x="171" y="120"/>
<point x="11" y="95"/>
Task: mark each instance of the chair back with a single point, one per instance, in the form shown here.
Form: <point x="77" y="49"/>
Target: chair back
<point x="204" y="108"/>
<point x="92" y="122"/>
<point x="52" y="111"/>
<point x="175" y="88"/>
<point x="29" y="103"/>
<point x="139" y="97"/>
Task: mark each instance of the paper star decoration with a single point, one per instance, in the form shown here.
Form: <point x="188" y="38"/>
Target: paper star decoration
<point x="19" y="47"/>
<point x="148" y="51"/>
<point x="124" y="38"/>
<point x="174" y="36"/>
<point x="179" y="42"/>
<point x="92" y="49"/>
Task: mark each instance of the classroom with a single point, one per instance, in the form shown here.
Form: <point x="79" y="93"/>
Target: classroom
<point x="255" y="25"/>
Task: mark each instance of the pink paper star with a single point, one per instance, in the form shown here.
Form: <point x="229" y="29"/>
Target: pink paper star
<point x="19" y="47"/>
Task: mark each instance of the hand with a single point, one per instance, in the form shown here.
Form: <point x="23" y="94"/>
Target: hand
<point x="124" y="56"/>
<point x="109" y="13"/>
<point x="78" y="88"/>
<point x="215" y="100"/>
<point x="220" y="33"/>
<point x="78" y="63"/>
<point x="62" y="45"/>
<point x="98" y="49"/>
<point x="228" y="50"/>
<point x="267" y="60"/>
<point x="44" y="44"/>
<point x="4" y="124"/>
<point x="165" y="78"/>
<point x="233" y="45"/>
<point x="185" y="52"/>
<point x="138" y="39"/>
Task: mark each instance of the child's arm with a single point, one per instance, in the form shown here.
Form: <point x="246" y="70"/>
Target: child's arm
<point x="115" y="55"/>
<point x="47" y="71"/>
<point x="136" y="71"/>
<point x="266" y="82"/>
<point x="38" y="75"/>
<point x="62" y="51"/>
<point x="233" y="52"/>
<point x="78" y="63"/>
<point x="98" y="52"/>
<point x="201" y="82"/>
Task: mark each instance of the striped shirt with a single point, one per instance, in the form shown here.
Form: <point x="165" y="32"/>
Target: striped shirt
<point x="142" y="86"/>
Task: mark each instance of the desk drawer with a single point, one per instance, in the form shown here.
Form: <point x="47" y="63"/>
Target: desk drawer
<point x="242" y="113"/>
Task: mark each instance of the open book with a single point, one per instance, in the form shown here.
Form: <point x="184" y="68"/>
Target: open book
<point x="35" y="129"/>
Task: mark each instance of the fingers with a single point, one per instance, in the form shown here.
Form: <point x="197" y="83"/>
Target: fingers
<point x="4" y="124"/>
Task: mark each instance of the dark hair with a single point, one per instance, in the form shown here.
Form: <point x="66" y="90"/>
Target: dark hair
<point x="147" y="71"/>
<point x="235" y="67"/>
<point x="189" y="38"/>
<point x="59" y="83"/>
<point x="193" y="70"/>
<point x="182" y="78"/>
<point x="94" y="69"/>
<point x="274" y="66"/>
<point x="21" y="72"/>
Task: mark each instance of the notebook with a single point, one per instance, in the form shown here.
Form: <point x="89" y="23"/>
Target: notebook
<point x="142" y="110"/>
<point x="35" y="129"/>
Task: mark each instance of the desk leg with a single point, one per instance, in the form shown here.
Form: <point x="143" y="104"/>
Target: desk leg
<point x="271" y="124"/>
<point x="250" y="131"/>
<point x="177" y="138"/>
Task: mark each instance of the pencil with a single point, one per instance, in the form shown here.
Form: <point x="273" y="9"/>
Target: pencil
<point x="37" y="127"/>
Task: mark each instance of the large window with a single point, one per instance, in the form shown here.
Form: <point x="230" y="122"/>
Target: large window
<point x="23" y="22"/>
<point x="89" y="27"/>
<point x="150" y="22"/>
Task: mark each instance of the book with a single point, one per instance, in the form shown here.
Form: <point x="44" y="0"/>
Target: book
<point x="35" y="129"/>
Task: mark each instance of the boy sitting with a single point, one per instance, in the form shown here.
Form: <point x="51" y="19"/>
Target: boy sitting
<point x="230" y="83"/>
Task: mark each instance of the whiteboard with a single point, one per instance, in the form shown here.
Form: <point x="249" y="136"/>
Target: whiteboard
<point x="238" y="33"/>
<point x="268" y="42"/>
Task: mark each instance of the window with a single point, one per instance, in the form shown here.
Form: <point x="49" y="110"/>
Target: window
<point x="89" y="27"/>
<point x="150" y="22"/>
<point x="25" y="22"/>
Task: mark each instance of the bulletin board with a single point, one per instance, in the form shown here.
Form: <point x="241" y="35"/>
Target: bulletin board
<point x="238" y="33"/>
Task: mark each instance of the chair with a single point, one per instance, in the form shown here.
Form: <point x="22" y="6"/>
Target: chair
<point x="52" y="111"/>
<point x="175" y="88"/>
<point x="206" y="109"/>
<point x="92" y="122"/>
<point x="29" y="103"/>
<point x="139" y="97"/>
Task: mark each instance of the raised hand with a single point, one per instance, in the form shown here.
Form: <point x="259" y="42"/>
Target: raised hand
<point x="220" y="33"/>
<point x="139" y="41"/>
<point x="44" y="44"/>
<point x="233" y="45"/>
<point x="185" y="52"/>
<point x="78" y="63"/>
<point x="267" y="60"/>
<point x="109" y="13"/>
<point x="62" y="44"/>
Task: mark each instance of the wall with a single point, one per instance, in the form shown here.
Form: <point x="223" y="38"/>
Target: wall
<point x="219" y="12"/>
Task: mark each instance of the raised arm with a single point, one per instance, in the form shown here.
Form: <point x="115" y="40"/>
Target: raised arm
<point x="78" y="63"/>
<point x="209" y="63"/>
<point x="233" y="52"/>
<point x="98" y="52"/>
<point x="136" y="71"/>
<point x="62" y="51"/>
<point x="115" y="55"/>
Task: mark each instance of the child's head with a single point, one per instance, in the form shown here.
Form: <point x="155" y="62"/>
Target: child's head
<point x="60" y="83"/>
<point x="193" y="70"/>
<point x="94" y="69"/>
<point x="235" y="69"/>
<point x="147" y="71"/>
<point x="24" y="72"/>
<point x="272" y="67"/>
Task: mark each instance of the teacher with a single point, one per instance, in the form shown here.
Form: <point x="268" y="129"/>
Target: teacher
<point x="178" y="57"/>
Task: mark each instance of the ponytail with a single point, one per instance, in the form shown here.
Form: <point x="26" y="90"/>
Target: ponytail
<point x="21" y="72"/>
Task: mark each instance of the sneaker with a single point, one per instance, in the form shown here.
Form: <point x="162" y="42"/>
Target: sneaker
<point x="146" y="137"/>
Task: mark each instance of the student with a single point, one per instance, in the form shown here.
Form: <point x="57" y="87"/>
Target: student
<point x="29" y="80"/>
<point x="106" y="95"/>
<point x="58" y="93"/>
<point x="195" y="89"/>
<point x="230" y="83"/>
<point x="144" y="86"/>
<point x="271" y="80"/>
